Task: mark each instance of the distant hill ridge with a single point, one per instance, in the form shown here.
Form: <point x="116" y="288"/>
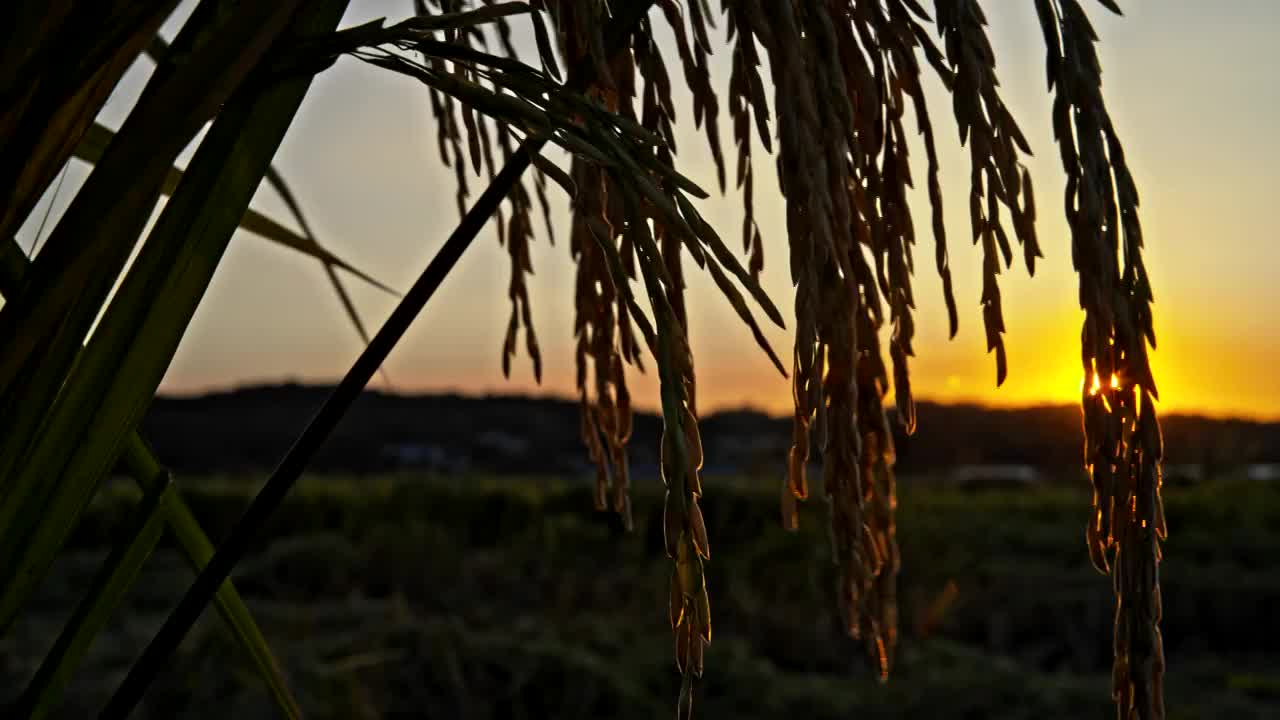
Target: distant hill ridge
<point x="250" y="428"/>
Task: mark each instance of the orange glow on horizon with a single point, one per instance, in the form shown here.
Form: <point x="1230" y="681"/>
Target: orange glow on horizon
<point x="1044" y="369"/>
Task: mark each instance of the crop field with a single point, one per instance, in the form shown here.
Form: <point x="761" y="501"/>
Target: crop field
<point x="412" y="596"/>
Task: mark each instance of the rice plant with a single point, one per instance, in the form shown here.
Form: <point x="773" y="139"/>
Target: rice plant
<point x="83" y="357"/>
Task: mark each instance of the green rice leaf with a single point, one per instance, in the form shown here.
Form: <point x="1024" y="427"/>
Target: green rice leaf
<point x="97" y="138"/>
<point x="139" y="461"/>
<point x="197" y="548"/>
<point x="45" y="322"/>
<point x="117" y="374"/>
<point x="49" y="104"/>
<point x="100" y="600"/>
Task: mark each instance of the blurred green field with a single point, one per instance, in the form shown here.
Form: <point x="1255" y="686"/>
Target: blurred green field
<point x="507" y="598"/>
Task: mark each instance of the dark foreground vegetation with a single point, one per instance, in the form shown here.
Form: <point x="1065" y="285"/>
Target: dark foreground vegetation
<point x="501" y="597"/>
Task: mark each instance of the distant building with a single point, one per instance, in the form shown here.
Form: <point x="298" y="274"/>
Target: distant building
<point x="423" y="456"/>
<point x="975" y="477"/>
<point x="1264" y="472"/>
<point x="1182" y="473"/>
<point x="500" y="443"/>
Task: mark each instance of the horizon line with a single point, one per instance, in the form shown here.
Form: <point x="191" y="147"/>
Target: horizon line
<point x="206" y="391"/>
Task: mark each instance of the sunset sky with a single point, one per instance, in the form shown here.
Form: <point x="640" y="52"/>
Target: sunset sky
<point x="1191" y="85"/>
